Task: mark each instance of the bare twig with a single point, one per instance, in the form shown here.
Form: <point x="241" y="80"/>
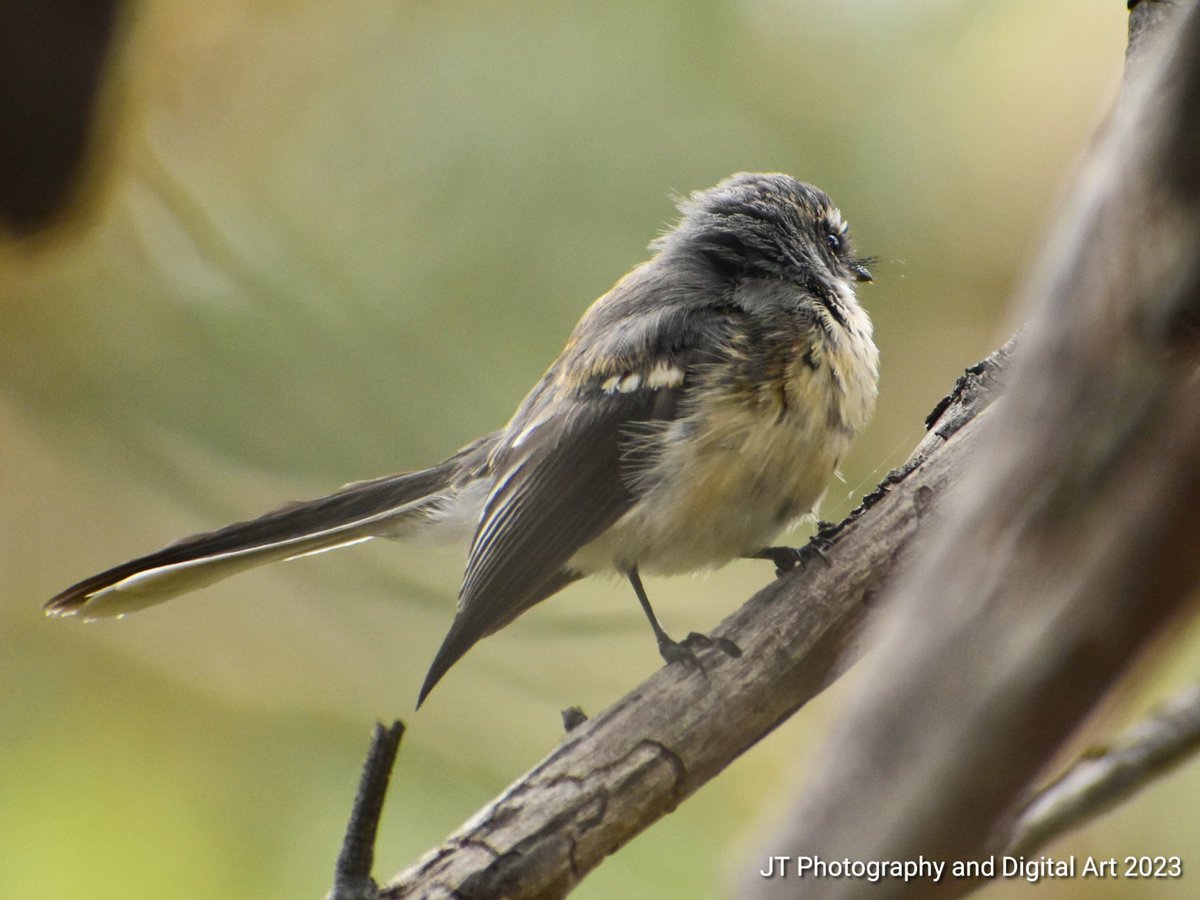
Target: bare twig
<point x="1104" y="777"/>
<point x="352" y="876"/>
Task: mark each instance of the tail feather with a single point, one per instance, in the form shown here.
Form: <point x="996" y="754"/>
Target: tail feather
<point x="356" y="513"/>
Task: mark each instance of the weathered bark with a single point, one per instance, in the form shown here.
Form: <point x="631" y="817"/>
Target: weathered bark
<point x="615" y="775"/>
<point x="1070" y="543"/>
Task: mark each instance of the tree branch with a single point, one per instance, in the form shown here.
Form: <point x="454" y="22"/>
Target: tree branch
<point x="1068" y="547"/>
<point x="1102" y="778"/>
<point x="352" y="876"/>
<point x="613" y="776"/>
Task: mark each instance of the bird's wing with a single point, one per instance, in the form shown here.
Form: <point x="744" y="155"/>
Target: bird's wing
<point x="566" y="471"/>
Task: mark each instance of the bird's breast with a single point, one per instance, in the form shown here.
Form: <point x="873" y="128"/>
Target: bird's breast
<point x="754" y="453"/>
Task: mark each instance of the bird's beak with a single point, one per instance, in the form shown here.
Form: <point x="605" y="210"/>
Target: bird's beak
<point x="861" y="272"/>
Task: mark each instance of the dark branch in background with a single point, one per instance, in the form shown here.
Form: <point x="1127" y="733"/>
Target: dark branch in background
<point x="1069" y="546"/>
<point x="1102" y="778"/>
<point x="615" y="775"/>
<point x="352" y="876"/>
<point x="52" y="59"/>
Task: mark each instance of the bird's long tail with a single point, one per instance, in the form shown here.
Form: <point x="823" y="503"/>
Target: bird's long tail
<point x="389" y="506"/>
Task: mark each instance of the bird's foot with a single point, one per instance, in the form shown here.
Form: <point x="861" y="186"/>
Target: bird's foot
<point x="685" y="651"/>
<point x="704" y="642"/>
<point x="787" y="558"/>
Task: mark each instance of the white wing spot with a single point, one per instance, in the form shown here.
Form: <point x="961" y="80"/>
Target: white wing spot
<point x="664" y="375"/>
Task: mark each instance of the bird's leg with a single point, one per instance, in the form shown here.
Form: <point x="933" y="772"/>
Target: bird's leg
<point x="677" y="651"/>
<point x="670" y="650"/>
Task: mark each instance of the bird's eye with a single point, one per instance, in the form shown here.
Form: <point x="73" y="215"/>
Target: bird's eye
<point x="835" y="242"/>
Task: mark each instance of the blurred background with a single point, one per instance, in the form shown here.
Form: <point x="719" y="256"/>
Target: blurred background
<point x="319" y="243"/>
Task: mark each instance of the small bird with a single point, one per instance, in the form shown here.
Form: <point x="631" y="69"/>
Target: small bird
<point x="699" y="408"/>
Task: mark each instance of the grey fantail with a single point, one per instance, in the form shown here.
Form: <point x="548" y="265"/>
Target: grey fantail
<point x="699" y="407"/>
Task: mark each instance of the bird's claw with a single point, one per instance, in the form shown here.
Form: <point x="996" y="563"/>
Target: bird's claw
<point x="704" y="642"/>
<point x="678" y="652"/>
<point x="685" y="651"/>
<point x="787" y="558"/>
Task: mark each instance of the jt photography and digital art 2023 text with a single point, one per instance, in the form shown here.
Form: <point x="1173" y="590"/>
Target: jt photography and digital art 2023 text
<point x="1033" y="869"/>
